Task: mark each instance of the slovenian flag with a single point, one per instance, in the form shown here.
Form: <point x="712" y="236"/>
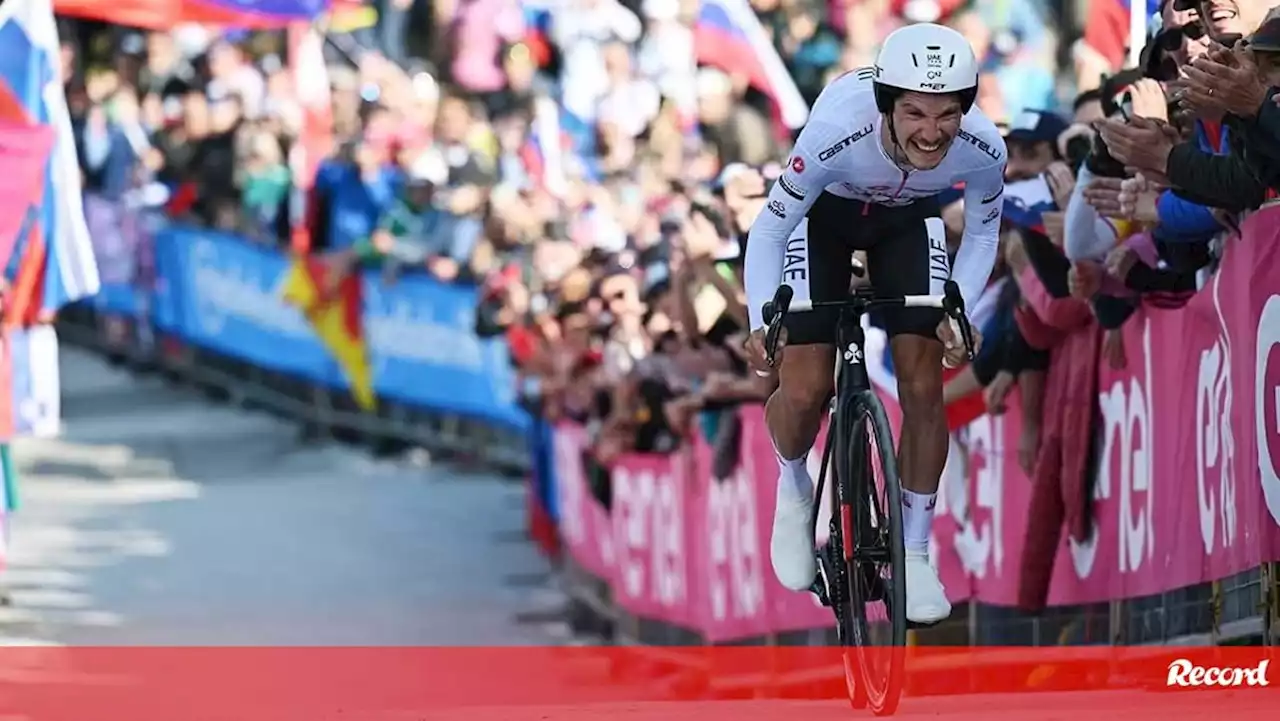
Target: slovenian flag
<point x="56" y="248"/>
<point x="544" y="151"/>
<point x="1026" y="202"/>
<point x="728" y="36"/>
<point x="24" y="154"/>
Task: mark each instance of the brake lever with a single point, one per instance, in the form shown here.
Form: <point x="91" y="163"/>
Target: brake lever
<point x="953" y="306"/>
<point x="966" y="334"/>
<point x="771" y="336"/>
<point x="773" y="312"/>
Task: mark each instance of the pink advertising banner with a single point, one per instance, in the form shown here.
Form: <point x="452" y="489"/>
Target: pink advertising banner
<point x="585" y="527"/>
<point x="1188" y="488"/>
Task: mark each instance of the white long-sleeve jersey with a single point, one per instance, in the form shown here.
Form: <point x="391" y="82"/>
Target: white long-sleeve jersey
<point x="839" y="151"/>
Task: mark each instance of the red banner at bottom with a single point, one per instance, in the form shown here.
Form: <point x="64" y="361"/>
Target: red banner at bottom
<point x="311" y="684"/>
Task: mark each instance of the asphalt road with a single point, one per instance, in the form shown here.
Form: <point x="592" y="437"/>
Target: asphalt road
<point x="161" y="518"/>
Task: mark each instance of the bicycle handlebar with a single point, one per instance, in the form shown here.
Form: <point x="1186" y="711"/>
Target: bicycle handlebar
<point x="950" y="302"/>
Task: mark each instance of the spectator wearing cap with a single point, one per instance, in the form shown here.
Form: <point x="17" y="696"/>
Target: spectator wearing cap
<point x="1032" y="141"/>
<point x="414" y="230"/>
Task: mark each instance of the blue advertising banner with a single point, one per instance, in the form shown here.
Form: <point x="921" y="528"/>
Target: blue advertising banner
<point x="227" y="297"/>
<point x="221" y="292"/>
<point x="117" y="298"/>
<point x="425" y="351"/>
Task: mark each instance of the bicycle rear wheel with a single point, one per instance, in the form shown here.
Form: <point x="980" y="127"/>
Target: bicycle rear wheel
<point x="870" y="514"/>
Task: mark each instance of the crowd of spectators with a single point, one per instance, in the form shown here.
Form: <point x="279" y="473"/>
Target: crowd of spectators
<point x="1147" y="180"/>
<point x="579" y="164"/>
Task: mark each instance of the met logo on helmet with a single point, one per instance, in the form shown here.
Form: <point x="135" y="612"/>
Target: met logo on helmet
<point x="933" y="86"/>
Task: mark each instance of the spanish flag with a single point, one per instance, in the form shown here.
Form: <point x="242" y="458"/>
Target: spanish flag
<point x="333" y="310"/>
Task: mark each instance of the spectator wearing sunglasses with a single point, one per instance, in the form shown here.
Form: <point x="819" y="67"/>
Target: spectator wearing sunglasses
<point x="1183" y="38"/>
<point x="1199" y="169"/>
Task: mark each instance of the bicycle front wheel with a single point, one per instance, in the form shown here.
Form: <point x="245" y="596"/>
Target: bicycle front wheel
<point x="871" y="520"/>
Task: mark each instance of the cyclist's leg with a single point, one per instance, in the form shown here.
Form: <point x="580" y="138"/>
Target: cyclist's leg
<point x="817" y="269"/>
<point x="913" y="260"/>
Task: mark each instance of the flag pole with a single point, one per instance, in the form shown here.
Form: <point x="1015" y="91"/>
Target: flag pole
<point x="1138" y="20"/>
<point x="303" y="165"/>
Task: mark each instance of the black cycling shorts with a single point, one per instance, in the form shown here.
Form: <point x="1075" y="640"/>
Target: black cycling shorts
<point x="906" y="249"/>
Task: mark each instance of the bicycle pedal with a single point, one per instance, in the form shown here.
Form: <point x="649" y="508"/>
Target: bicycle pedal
<point x="819" y="589"/>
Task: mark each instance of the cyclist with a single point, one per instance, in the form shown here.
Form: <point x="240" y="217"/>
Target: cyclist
<point x="879" y="146"/>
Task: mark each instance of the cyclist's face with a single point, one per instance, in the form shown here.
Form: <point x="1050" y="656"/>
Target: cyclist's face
<point x="926" y="125"/>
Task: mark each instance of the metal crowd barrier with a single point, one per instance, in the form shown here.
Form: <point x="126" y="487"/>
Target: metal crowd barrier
<point x="320" y="411"/>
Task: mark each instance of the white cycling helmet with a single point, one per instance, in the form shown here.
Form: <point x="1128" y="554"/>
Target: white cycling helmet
<point x="925" y="58"/>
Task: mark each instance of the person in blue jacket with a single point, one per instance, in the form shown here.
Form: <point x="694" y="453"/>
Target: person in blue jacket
<point x="354" y="190"/>
<point x="1181" y="220"/>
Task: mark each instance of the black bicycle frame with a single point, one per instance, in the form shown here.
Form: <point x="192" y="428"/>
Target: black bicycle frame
<point x="850" y="353"/>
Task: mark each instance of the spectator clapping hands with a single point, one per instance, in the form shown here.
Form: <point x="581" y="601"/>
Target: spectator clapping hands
<point x="1142" y="144"/>
<point x="1129" y="198"/>
<point x="1149" y="100"/>
<point x="1225" y="80"/>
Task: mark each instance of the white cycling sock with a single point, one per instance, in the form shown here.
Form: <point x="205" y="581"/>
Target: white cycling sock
<point x="917" y="519"/>
<point x="794" y="482"/>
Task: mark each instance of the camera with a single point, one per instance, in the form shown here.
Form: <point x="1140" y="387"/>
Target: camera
<point x="1078" y="149"/>
<point x="1100" y="162"/>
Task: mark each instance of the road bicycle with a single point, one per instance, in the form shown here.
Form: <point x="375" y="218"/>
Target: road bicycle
<point x="862" y="567"/>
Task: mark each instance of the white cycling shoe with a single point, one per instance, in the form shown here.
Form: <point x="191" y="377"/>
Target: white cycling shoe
<point x="792" y="549"/>
<point x="926" y="598"/>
